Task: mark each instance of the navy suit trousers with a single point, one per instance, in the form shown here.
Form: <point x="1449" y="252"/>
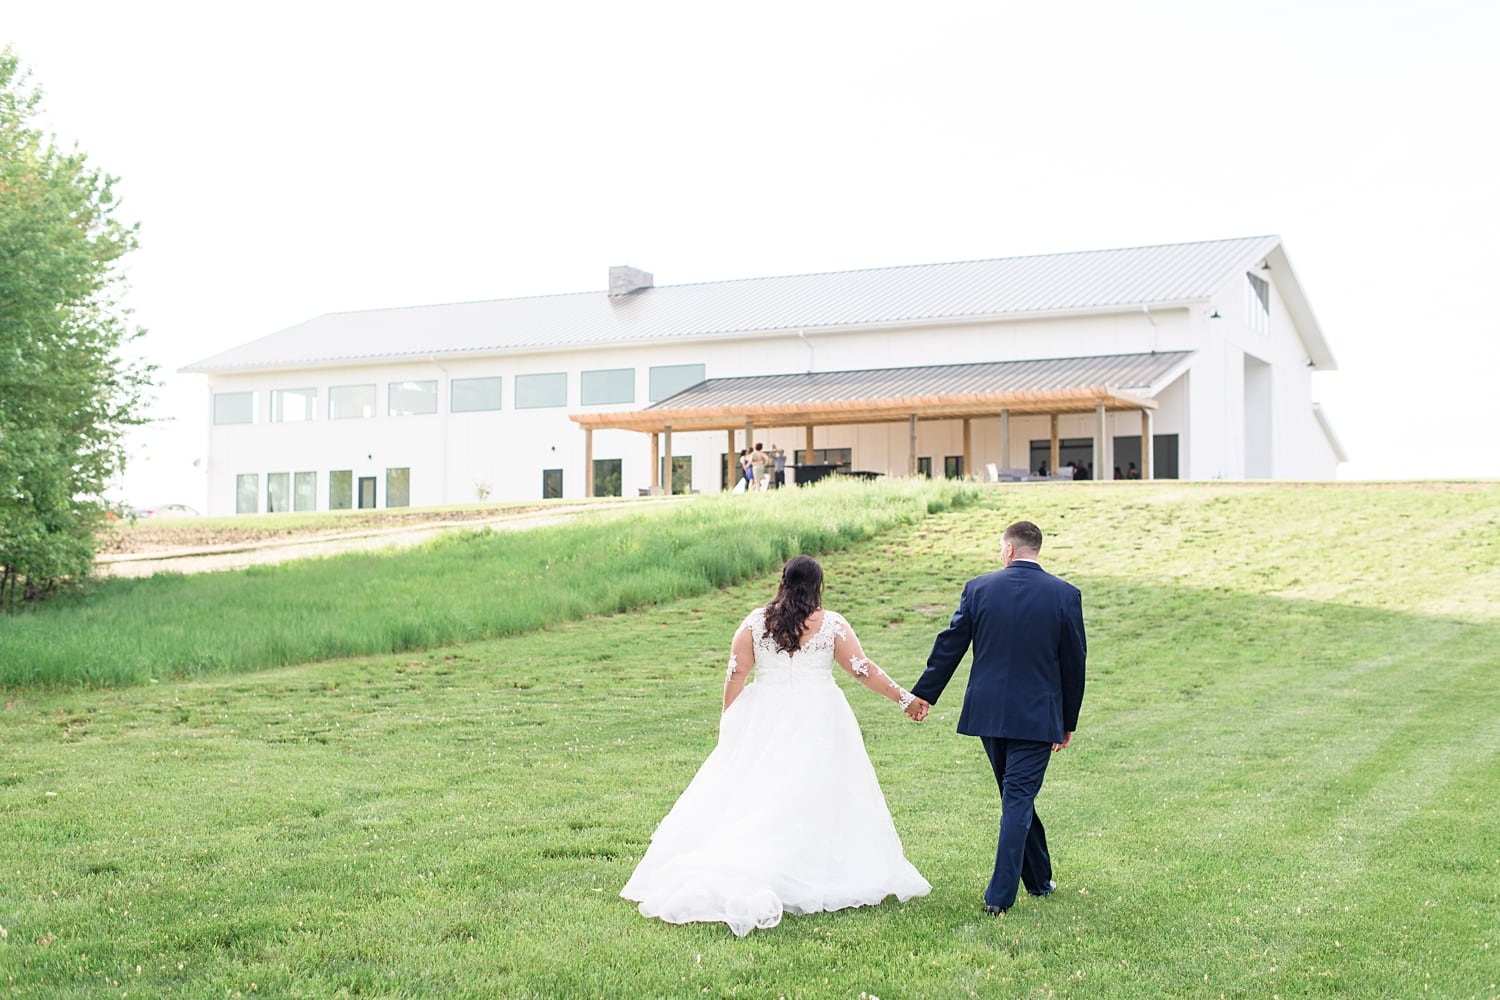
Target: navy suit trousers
<point x="1021" y="854"/>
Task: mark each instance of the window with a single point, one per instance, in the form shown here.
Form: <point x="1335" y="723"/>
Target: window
<point x="398" y="487"/>
<point x="611" y="385"/>
<point x="290" y="406"/>
<point x="472" y="395"/>
<point x="305" y="491"/>
<point x="669" y="380"/>
<point x="536" y="391"/>
<point x="825" y="456"/>
<point x="607" y="477"/>
<point x="410" y="399"/>
<point x="1080" y="450"/>
<point x="347" y="402"/>
<point x="234" y="407"/>
<point x="1257" y="303"/>
<point x="953" y="467"/>
<point x="682" y="472"/>
<point x="551" y="484"/>
<point x="1164" y="456"/>
<point x="278" y="492"/>
<point x="247" y="493"/>
<point x="341" y="489"/>
<point x="924" y="466"/>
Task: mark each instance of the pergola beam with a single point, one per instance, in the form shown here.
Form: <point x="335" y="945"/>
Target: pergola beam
<point x="877" y="411"/>
<point x="660" y="424"/>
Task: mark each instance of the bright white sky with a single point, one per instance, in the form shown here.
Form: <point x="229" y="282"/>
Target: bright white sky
<point x="291" y="159"/>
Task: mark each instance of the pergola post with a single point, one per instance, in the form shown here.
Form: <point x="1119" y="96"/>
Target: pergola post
<point x="1005" y="439"/>
<point x="1147" y="470"/>
<point x="1100" y="458"/>
<point x="666" y="433"/>
<point x="911" y="454"/>
<point x="729" y="463"/>
<point x="588" y="461"/>
<point x="655" y="463"/>
<point x="1052" y="462"/>
<point x="943" y="406"/>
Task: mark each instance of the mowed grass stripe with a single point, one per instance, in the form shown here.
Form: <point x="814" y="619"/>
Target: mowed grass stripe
<point x="1320" y="800"/>
<point x="458" y="821"/>
<point x="1248" y="736"/>
<point x="1404" y="882"/>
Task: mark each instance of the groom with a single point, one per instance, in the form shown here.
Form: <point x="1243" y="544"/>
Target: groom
<point x="1025" y="689"/>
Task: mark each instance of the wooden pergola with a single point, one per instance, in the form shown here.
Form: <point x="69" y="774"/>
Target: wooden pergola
<point x="661" y="422"/>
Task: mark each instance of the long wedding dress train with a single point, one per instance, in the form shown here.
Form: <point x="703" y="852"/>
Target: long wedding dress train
<point x="786" y="814"/>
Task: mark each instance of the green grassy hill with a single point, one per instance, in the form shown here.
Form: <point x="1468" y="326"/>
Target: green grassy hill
<point x="1283" y="783"/>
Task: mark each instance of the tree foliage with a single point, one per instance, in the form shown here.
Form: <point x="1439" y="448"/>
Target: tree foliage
<point x="67" y="394"/>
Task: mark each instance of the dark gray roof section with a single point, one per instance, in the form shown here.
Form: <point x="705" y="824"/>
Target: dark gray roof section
<point x="1053" y="284"/>
<point x="1133" y="373"/>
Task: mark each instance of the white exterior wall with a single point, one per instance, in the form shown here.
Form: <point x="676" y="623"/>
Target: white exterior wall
<point x="1298" y="448"/>
<point x="451" y="455"/>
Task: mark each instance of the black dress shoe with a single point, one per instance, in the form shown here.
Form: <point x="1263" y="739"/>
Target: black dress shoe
<point x="994" y="910"/>
<point x="1047" y="890"/>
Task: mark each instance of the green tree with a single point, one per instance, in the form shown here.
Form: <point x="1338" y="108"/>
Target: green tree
<point x="67" y="394"/>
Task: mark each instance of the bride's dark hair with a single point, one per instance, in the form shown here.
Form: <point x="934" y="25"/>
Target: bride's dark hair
<point x="800" y="595"/>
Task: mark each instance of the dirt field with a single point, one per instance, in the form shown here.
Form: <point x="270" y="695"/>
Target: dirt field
<point x="200" y="545"/>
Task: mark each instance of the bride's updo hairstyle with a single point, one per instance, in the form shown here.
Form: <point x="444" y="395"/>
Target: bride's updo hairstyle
<point x="800" y="595"/>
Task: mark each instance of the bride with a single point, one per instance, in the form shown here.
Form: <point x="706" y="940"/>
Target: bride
<point x="785" y="815"/>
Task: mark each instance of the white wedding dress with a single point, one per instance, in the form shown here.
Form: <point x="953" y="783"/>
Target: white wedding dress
<point x="786" y="814"/>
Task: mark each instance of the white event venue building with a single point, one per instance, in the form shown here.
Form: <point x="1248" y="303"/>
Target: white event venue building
<point x="1011" y="368"/>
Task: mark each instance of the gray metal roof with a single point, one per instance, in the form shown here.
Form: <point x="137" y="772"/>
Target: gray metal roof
<point x="1134" y="373"/>
<point x="935" y="392"/>
<point x="1011" y="286"/>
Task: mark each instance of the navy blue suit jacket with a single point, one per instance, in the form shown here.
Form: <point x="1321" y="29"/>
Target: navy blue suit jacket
<point x="1026" y="681"/>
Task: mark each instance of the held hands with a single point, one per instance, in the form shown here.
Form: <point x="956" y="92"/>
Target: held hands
<point x="917" y="709"/>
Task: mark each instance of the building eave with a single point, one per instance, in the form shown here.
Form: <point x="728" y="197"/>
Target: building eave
<point x="1297" y="304"/>
<point x="428" y="356"/>
<point x="1333" y="439"/>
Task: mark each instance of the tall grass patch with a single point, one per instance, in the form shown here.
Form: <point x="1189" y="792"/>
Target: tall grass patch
<point x="464" y="586"/>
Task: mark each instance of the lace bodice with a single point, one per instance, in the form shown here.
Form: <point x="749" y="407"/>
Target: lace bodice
<point x="811" y="664"/>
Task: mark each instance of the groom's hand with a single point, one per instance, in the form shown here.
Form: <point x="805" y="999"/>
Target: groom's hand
<point x="1067" y="738"/>
<point x="917" y="709"/>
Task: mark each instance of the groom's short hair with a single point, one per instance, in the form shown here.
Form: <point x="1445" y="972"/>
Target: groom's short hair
<point x="1024" y="535"/>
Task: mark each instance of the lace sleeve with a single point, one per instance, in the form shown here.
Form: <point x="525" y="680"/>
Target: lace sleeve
<point x="741" y="659"/>
<point x="850" y="655"/>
